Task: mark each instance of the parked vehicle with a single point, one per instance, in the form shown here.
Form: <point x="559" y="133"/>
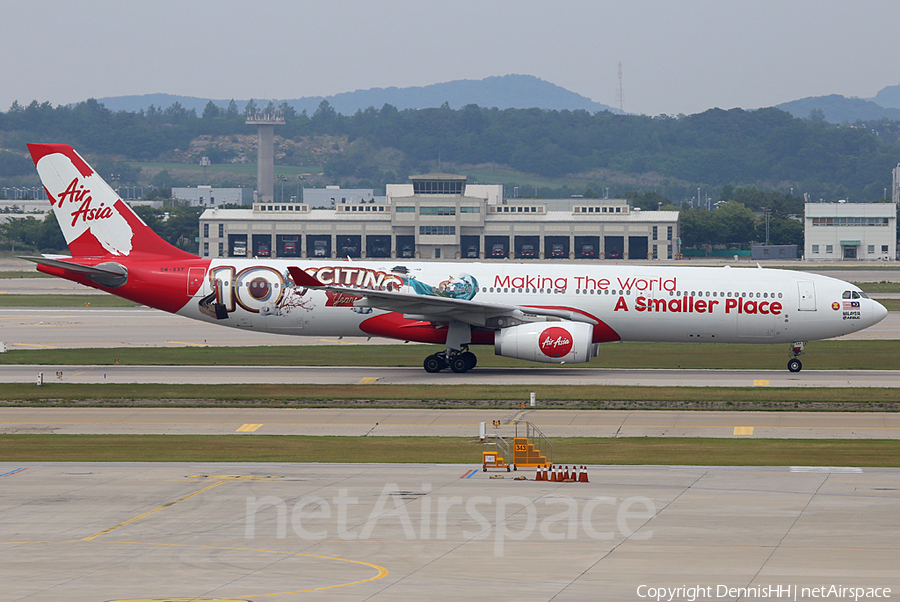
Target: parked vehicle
<point x="557" y="250"/>
<point x="319" y="249"/>
<point x="497" y="250"/>
<point x="587" y="251"/>
<point x="527" y="250"/>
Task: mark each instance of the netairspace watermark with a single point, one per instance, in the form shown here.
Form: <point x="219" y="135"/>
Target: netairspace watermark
<point x="785" y="592"/>
<point x="423" y="517"/>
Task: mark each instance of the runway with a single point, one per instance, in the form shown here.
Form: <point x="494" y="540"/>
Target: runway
<point x="132" y="531"/>
<point x="363" y="375"/>
<point x="89" y="327"/>
<point x="141" y="531"/>
<point x="386" y="422"/>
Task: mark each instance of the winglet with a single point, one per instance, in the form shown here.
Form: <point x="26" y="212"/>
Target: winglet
<point x="303" y="279"/>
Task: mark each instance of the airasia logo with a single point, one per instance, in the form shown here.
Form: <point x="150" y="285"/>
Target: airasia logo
<point x="78" y="194"/>
<point x="555" y="342"/>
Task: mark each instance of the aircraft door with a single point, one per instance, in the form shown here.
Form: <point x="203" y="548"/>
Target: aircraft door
<point x="806" y="290"/>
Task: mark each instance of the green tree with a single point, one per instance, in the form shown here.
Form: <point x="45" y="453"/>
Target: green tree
<point x="211" y="111"/>
<point x="733" y="224"/>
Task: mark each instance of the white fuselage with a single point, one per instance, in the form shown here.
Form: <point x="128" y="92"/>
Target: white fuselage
<point x="636" y="303"/>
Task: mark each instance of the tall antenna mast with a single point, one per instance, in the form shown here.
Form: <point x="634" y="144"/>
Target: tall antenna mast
<point x="620" y="93"/>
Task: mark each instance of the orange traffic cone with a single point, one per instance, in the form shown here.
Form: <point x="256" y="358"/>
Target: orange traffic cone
<point x="576" y="473"/>
<point x="552" y="474"/>
<point x="539" y="474"/>
<point x="565" y="474"/>
<point x="583" y="478"/>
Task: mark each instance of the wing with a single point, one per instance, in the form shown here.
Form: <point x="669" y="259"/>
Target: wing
<point x="442" y="309"/>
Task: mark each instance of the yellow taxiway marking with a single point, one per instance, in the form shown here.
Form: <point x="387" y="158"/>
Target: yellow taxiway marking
<point x="743" y="430"/>
<point x="136" y="518"/>
<point x="336" y="341"/>
<point x="517" y="417"/>
<point x="33" y="345"/>
<point x="761" y="383"/>
<point x="382" y="572"/>
<point x="369" y="379"/>
<point x="188" y="344"/>
<point x="248" y="428"/>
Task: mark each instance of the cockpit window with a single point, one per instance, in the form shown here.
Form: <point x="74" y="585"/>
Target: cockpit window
<point x="863" y="295"/>
<point x="846" y="295"/>
<point x="855" y="295"/>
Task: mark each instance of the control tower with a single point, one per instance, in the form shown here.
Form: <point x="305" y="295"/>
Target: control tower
<point x="265" y="158"/>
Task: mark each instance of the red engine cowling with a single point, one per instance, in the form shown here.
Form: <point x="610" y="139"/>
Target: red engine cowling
<point x="549" y="342"/>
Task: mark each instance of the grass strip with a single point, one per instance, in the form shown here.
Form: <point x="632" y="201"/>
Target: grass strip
<point x="879" y="287"/>
<point x="820" y="355"/>
<point x="582" y="450"/>
<point x="890" y="304"/>
<point x="63" y="301"/>
<point x="439" y="396"/>
<point x="23" y="274"/>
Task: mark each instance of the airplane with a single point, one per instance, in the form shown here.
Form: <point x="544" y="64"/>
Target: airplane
<point x="556" y="313"/>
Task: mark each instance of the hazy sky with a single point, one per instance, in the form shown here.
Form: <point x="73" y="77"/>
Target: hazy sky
<point x="680" y="56"/>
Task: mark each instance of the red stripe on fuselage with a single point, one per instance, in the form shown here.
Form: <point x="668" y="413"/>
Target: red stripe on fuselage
<point x="395" y="326"/>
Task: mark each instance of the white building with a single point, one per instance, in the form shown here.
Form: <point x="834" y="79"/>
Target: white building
<point x="440" y="216"/>
<point x="850" y="231"/>
<point x="332" y="196"/>
<point x="209" y="196"/>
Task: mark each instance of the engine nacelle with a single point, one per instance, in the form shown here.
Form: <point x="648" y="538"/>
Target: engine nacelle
<point x="548" y="342"/>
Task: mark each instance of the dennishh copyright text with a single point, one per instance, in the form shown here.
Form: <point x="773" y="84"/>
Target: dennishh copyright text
<point x="690" y="593"/>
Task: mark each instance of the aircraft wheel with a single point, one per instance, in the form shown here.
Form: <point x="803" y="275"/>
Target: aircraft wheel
<point x="433" y="364"/>
<point x="794" y="365"/>
<point x="470" y="358"/>
<point x="459" y="364"/>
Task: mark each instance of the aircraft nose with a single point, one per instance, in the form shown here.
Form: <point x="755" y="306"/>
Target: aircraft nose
<point x="879" y="312"/>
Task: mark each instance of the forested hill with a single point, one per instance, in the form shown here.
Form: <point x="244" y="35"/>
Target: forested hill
<point x="506" y="92"/>
<point x="768" y="147"/>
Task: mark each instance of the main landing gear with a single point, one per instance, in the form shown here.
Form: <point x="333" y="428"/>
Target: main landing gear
<point x="457" y="356"/>
<point x="458" y="361"/>
<point x="794" y="365"/>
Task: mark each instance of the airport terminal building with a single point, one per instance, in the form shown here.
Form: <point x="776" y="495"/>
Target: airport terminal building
<point x="841" y="231"/>
<point x="441" y="216"/>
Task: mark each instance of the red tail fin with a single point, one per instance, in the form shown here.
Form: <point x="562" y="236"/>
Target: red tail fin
<point x="93" y="219"/>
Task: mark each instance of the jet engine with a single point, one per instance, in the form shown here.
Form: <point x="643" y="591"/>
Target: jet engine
<point x="560" y="342"/>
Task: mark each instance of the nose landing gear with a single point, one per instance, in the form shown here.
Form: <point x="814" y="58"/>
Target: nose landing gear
<point x="794" y="365"/>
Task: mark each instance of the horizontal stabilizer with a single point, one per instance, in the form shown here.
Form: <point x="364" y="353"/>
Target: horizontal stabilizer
<point x="304" y="280"/>
<point x="108" y="274"/>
